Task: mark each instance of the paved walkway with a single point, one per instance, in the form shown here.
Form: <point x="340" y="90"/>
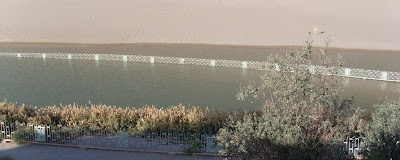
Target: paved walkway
<point x="44" y="152"/>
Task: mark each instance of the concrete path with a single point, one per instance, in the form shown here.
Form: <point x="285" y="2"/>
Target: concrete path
<point x="44" y="152"/>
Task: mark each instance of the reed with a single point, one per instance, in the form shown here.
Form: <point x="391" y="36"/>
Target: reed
<point x="148" y="118"/>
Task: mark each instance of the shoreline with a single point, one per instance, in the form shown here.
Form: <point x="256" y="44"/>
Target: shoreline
<point x="53" y="44"/>
<point x="386" y="60"/>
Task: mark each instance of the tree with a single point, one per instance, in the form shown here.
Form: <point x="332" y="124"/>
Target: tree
<point x="303" y="116"/>
<point x="383" y="133"/>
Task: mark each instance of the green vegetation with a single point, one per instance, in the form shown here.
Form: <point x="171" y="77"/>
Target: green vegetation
<point x="18" y="138"/>
<point x="192" y="147"/>
<point x="6" y="158"/>
<point x="383" y="133"/>
<point x="303" y="117"/>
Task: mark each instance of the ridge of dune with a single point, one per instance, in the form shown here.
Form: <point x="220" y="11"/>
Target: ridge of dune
<point x="350" y="24"/>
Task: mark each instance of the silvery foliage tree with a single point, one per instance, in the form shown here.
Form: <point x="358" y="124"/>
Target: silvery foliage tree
<point x="303" y="117"/>
<point x="382" y="135"/>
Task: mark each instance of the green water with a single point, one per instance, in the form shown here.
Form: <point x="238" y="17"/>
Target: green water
<point x="38" y="82"/>
<point x="51" y="82"/>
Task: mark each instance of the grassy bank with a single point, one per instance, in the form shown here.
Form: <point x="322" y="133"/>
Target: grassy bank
<point x="147" y="118"/>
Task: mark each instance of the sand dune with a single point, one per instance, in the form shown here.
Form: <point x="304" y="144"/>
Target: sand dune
<point x="363" y="24"/>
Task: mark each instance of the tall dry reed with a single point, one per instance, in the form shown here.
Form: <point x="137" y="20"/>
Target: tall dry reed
<point x="147" y="118"/>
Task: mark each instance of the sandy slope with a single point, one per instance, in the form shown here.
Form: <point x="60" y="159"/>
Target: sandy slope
<point x="372" y="24"/>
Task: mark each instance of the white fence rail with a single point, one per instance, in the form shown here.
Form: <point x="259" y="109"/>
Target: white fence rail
<point x="345" y="72"/>
<point x="164" y="142"/>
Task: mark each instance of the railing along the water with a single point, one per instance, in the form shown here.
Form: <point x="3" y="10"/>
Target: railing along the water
<point x="161" y="142"/>
<point x="345" y="72"/>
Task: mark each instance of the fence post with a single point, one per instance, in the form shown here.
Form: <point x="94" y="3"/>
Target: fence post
<point x="151" y="59"/>
<point x="384" y="75"/>
<point x="244" y="64"/>
<point x="347" y="72"/>
<point x="125" y="59"/>
<point x="212" y="63"/>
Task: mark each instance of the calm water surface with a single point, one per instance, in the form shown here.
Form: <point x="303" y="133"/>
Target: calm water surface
<point x="51" y="82"/>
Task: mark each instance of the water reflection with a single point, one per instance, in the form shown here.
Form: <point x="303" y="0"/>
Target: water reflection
<point x="244" y="72"/>
<point x="383" y="85"/>
<point x="97" y="65"/>
<point x="181" y="70"/>
<point x="125" y="66"/>
<point x="346" y="82"/>
<point x="212" y="68"/>
<point x="152" y="69"/>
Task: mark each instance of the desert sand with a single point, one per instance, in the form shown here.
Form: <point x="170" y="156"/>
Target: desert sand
<point x="372" y="24"/>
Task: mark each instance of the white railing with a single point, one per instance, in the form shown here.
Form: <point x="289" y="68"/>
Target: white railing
<point x="165" y="142"/>
<point x="353" y="145"/>
<point x="345" y="72"/>
<point x="161" y="141"/>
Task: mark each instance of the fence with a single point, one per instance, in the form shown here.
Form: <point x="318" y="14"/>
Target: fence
<point x="345" y="72"/>
<point x="162" y="142"/>
<point x="353" y="145"/>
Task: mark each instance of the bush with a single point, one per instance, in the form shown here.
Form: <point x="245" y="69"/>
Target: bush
<point x="303" y="117"/>
<point x="146" y="119"/>
<point x="10" y="113"/>
<point x="383" y="133"/>
<point x="18" y="138"/>
<point x="6" y="158"/>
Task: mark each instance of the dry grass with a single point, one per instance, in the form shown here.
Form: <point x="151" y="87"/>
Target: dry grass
<point x="175" y="118"/>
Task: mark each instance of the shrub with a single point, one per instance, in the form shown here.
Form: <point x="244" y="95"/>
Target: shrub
<point x="6" y="158"/>
<point x="383" y="133"/>
<point x="303" y="116"/>
<point x="152" y="119"/>
<point x="18" y="137"/>
<point x="8" y="112"/>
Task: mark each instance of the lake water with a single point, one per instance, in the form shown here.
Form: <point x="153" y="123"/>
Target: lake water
<point x="51" y="82"/>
